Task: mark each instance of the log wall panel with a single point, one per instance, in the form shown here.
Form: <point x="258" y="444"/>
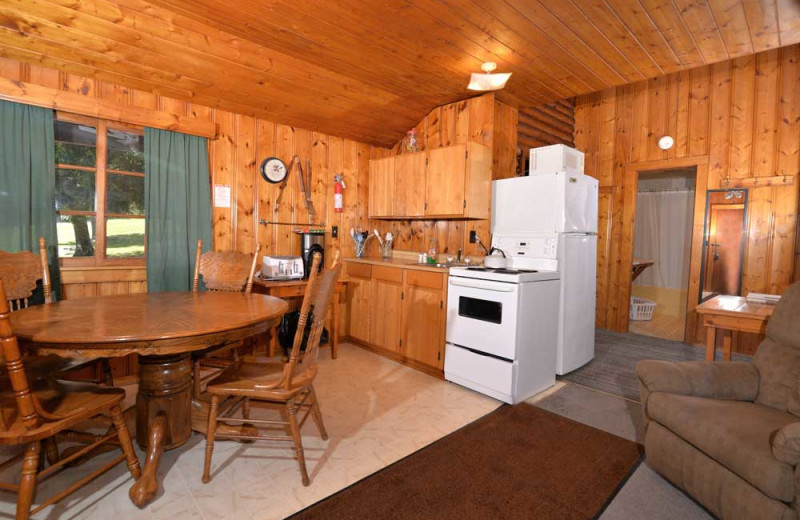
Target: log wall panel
<point x="734" y="119"/>
<point x="542" y="125"/>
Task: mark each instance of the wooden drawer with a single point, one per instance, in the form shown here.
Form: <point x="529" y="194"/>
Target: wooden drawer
<point x="361" y="270"/>
<point x="389" y="274"/>
<point x="426" y="279"/>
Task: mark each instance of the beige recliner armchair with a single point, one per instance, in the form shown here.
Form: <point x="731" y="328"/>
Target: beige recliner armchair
<point x="729" y="433"/>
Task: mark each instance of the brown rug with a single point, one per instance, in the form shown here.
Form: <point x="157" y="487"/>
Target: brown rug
<point x="518" y="462"/>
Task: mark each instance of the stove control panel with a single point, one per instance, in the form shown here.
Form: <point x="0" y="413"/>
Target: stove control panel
<point x="528" y="247"/>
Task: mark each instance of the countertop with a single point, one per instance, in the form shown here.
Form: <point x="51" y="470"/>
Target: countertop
<point x="399" y="262"/>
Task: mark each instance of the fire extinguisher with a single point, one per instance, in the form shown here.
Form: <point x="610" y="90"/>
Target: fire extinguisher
<point x="338" y="193"/>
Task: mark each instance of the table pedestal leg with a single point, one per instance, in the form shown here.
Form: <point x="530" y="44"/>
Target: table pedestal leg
<point x="145" y="489"/>
<point x="163" y="415"/>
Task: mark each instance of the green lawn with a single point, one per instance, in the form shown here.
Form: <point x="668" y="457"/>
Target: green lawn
<point x="125" y="238"/>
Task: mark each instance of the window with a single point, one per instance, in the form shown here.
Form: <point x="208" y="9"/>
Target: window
<point x="99" y="191"/>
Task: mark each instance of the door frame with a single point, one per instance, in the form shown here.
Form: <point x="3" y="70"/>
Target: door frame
<point x="629" y="197"/>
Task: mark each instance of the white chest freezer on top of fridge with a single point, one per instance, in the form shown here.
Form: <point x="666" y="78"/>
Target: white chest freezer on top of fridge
<point x="558" y="202"/>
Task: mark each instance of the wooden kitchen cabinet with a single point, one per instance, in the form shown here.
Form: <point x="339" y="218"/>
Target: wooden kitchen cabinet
<point x="399" y="312"/>
<point x="385" y="301"/>
<point x="423" y="317"/>
<point x="447" y="182"/>
<point x="381" y="187"/>
<point x="358" y="300"/>
<point x="409" y="185"/>
<point x="445" y="187"/>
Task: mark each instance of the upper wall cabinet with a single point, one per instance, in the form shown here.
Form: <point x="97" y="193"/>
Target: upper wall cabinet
<point x="409" y="185"/>
<point x="381" y="187"/>
<point x="448" y="182"/>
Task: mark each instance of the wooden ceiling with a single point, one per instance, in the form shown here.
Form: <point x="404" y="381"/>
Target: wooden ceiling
<point x="370" y="70"/>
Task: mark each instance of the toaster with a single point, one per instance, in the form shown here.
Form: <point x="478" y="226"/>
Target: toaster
<point x="282" y="268"/>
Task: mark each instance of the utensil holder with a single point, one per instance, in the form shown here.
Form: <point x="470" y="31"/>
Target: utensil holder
<point x="386" y="250"/>
<point x="360" y="248"/>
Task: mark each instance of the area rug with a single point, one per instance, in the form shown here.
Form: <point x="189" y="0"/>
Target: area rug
<point x="518" y="462"/>
<point x="613" y="369"/>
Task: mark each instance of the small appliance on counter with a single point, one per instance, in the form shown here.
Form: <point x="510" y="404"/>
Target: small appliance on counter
<point x="312" y="241"/>
<point x="282" y="268"/>
<point x="555" y="158"/>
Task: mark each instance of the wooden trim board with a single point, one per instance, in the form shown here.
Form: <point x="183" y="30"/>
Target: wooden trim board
<point x="394" y="356"/>
<point x="29" y="94"/>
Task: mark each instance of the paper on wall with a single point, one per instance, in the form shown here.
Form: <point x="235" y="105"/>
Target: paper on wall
<point x="222" y="196"/>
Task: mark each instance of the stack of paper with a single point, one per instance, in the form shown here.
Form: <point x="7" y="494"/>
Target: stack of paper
<point x="771" y="299"/>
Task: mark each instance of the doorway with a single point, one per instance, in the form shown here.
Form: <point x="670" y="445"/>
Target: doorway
<point x="665" y="203"/>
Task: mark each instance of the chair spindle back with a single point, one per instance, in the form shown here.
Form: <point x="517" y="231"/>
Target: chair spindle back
<point x="12" y="359"/>
<point x="316" y="303"/>
<point x="228" y="271"/>
<point x="21" y="271"/>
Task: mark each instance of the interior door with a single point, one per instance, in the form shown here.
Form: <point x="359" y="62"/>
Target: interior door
<point x="381" y="187"/>
<point x="409" y="185"/>
<point x="385" y="299"/>
<point x="423" y="317"/>
<point x="445" y="181"/>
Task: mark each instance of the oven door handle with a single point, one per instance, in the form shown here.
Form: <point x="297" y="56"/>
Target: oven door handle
<point x="486" y="286"/>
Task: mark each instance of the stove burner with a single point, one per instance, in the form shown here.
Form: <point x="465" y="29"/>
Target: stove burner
<point x="501" y="270"/>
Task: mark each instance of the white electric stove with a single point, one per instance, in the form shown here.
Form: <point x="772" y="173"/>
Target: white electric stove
<point x="502" y="324"/>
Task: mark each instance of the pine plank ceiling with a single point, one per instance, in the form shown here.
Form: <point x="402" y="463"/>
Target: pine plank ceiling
<point x="368" y="69"/>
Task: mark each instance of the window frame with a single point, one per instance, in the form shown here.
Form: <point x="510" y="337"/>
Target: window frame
<point x="100" y="214"/>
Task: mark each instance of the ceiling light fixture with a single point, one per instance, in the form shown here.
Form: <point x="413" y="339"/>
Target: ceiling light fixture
<point x="488" y="81"/>
<point x="666" y="142"/>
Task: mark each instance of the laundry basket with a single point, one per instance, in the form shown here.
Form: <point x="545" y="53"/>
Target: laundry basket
<point x="642" y="309"/>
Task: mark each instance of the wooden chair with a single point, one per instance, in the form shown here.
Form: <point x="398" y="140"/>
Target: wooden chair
<point x="33" y="416"/>
<point x="228" y="271"/>
<point x="21" y="271"/>
<point x="291" y="383"/>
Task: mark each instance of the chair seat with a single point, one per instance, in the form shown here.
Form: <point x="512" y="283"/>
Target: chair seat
<point x="250" y="375"/>
<point x="73" y="401"/>
<point x="736" y="434"/>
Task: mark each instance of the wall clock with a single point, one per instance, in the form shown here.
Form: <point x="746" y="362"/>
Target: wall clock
<point x="273" y="170"/>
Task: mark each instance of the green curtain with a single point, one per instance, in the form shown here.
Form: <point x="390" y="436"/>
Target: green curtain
<point x="177" y="206"/>
<point x="28" y="182"/>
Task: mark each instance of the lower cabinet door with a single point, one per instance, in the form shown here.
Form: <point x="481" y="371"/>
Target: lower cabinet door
<point x="358" y="300"/>
<point x="423" y="318"/>
<point x="384" y="327"/>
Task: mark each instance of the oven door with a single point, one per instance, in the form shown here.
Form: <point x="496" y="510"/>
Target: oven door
<point x="482" y="315"/>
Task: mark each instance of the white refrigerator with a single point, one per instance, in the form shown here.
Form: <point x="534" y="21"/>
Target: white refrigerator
<point x="563" y="203"/>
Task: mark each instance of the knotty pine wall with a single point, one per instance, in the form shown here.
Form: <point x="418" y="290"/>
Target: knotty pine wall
<point x="737" y="119"/>
<point x="483" y="120"/>
<point x="243" y="142"/>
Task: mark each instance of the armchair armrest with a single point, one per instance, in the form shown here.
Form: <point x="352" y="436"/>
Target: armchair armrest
<point x="736" y="380"/>
<point x="786" y="444"/>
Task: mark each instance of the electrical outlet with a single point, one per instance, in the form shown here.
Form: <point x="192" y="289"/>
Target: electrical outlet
<point x="473" y="236"/>
<point x="334" y="231"/>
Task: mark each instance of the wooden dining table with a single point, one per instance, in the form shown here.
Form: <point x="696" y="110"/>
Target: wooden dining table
<point x="163" y="329"/>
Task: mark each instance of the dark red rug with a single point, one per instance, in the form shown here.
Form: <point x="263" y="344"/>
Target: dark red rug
<point x="518" y="462"/>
